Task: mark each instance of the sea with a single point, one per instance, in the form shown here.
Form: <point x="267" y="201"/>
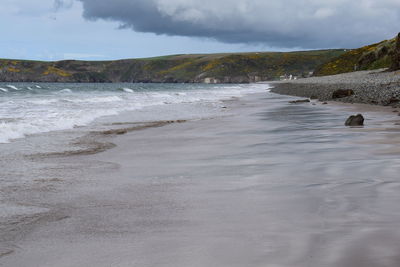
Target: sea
<point x="42" y="120"/>
<point x="27" y="109"/>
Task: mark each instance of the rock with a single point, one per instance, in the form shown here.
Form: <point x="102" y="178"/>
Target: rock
<point x="115" y="131"/>
<point x="393" y="100"/>
<point x="355" y="120"/>
<point x="325" y="103"/>
<point x="300" y="101"/>
<point x="342" y="93"/>
<point x="396" y="55"/>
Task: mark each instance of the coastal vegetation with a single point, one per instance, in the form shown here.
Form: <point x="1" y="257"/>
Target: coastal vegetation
<point x="194" y="68"/>
<point x="396" y="55"/>
<point x="371" y="57"/>
<point x="208" y="68"/>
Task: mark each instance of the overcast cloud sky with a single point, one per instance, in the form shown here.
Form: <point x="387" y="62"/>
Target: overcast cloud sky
<point x="112" y="29"/>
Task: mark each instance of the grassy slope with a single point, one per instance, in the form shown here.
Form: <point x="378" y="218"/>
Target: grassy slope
<point x="369" y="57"/>
<point x="236" y="67"/>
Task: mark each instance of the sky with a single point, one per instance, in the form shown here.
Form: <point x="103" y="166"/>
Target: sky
<point x="116" y="29"/>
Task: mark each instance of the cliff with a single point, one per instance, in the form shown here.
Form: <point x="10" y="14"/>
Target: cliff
<point x="396" y="55"/>
<point x="375" y="56"/>
<point x="209" y="68"/>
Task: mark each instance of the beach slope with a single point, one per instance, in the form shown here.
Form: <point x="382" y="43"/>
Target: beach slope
<point x="378" y="87"/>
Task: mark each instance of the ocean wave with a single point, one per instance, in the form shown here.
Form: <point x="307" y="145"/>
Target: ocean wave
<point x="128" y="90"/>
<point x="3" y="89"/>
<point x="11" y="130"/>
<point x="42" y="101"/>
<point x="99" y="99"/>
<point x="66" y="90"/>
<point x="57" y="109"/>
<point x="12" y="87"/>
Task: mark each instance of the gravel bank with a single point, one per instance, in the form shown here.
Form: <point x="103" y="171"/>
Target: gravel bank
<point x="369" y="87"/>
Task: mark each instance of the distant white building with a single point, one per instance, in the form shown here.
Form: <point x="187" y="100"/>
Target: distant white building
<point x="288" y="77"/>
<point x="210" y="80"/>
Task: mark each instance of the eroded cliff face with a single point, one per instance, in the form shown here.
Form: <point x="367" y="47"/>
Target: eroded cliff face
<point x="396" y="55"/>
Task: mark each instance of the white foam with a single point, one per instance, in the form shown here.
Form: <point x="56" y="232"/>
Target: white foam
<point x="105" y="99"/>
<point x="37" y="86"/>
<point x="127" y="90"/>
<point x="50" y="122"/>
<point x="3" y="89"/>
<point x="12" y="87"/>
<point x="65" y="109"/>
<point x="42" y="101"/>
<point x="65" y="91"/>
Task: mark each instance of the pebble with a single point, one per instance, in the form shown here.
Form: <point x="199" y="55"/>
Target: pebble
<point x="370" y="87"/>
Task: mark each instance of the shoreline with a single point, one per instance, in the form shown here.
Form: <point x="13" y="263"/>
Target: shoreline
<point x="197" y="192"/>
<point x="365" y="87"/>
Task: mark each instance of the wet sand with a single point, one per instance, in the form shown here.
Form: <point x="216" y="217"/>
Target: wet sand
<point x="267" y="184"/>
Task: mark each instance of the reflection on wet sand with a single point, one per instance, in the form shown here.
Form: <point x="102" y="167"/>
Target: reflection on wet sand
<point x="272" y="184"/>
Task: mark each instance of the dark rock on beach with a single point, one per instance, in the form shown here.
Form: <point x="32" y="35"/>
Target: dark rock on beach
<point x="342" y="93"/>
<point x="300" y="101"/>
<point x="355" y="120"/>
<point x="393" y="100"/>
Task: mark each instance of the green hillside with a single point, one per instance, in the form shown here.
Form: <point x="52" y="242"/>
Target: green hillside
<point x="369" y="57"/>
<point x="213" y="68"/>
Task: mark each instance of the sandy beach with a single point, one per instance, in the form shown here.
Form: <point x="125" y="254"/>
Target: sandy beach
<point x="268" y="183"/>
<point x="176" y="133"/>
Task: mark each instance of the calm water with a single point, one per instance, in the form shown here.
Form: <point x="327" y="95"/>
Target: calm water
<point x="259" y="183"/>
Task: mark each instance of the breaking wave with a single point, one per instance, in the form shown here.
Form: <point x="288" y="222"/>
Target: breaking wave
<point x="53" y="107"/>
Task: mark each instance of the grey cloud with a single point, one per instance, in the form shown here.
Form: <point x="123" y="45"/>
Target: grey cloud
<point x="279" y="23"/>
